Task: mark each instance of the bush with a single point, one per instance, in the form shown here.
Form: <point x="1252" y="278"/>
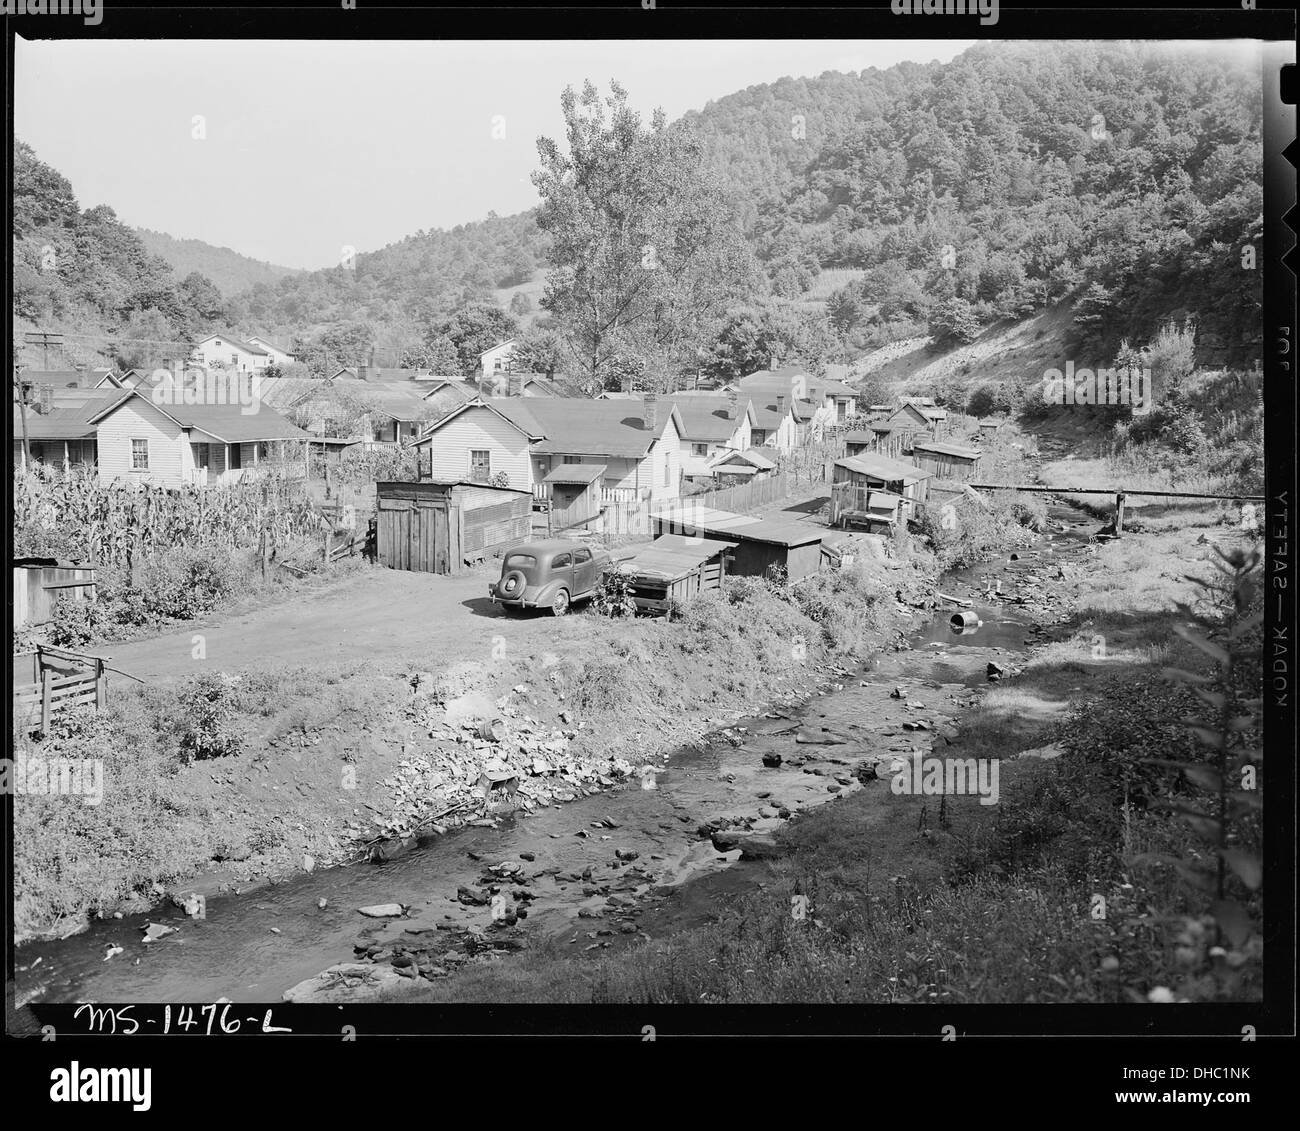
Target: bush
<point x="73" y="623"/>
<point x="209" y="710"/>
<point x="954" y="323"/>
<point x="614" y="595"/>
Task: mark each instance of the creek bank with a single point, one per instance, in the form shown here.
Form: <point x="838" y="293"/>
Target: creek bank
<point x="237" y="949"/>
<point x="914" y="698"/>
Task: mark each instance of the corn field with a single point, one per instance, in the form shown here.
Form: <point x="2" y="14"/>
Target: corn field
<point x="70" y="514"/>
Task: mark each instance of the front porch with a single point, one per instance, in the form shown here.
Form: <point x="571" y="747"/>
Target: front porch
<point x="219" y="464"/>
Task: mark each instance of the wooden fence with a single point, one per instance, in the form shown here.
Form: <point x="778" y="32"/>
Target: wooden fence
<point x="744" y="496"/>
<point x="633" y="519"/>
<point x="58" y="681"/>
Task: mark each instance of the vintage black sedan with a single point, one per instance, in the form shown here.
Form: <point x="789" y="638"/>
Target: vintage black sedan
<point x="550" y="574"/>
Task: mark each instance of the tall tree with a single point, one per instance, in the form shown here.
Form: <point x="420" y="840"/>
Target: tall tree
<point x="645" y="251"/>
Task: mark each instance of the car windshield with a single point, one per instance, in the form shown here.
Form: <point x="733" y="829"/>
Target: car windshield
<point x="520" y="561"/>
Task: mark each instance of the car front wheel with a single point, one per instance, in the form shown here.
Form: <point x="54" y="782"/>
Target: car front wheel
<point x="560" y="604"/>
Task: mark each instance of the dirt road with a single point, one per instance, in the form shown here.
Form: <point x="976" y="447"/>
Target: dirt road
<point x="369" y="617"/>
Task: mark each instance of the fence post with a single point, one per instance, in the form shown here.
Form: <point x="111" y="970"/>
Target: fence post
<point x="1119" y="514"/>
<point x="46" y="703"/>
<point x="101" y="686"/>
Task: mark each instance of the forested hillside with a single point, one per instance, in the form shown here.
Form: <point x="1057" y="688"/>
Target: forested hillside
<point x="230" y="271"/>
<point x="935" y="199"/>
<point x="87" y="274"/>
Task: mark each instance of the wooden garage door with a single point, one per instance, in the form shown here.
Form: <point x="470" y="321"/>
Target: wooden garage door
<point x="413" y="534"/>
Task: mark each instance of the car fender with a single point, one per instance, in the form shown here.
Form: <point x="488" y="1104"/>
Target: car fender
<point x="545" y="594"/>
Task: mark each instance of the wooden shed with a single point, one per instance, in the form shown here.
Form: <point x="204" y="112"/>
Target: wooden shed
<point x="38" y="582"/>
<point x="867" y="507"/>
<point x="675" y="568"/>
<point x="436" y="527"/>
<point x="877" y="473"/>
<point x="574" y="492"/>
<point x="859" y="440"/>
<point x="761" y="543"/>
<point x="739" y="467"/>
<point x="945" y="460"/>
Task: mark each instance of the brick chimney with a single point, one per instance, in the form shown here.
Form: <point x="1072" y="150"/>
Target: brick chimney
<point x="516" y="385"/>
<point x="781" y="403"/>
<point x="731" y="405"/>
<point x="650" y="411"/>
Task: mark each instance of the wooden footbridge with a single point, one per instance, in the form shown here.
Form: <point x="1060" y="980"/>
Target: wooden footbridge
<point x="1121" y="495"/>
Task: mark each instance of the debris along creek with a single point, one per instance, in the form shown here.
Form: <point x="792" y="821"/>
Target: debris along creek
<point x="588" y="870"/>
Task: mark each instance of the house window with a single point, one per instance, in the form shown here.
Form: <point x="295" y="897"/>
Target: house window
<point x="758" y="436"/>
<point x="699" y="449"/>
<point x="139" y="455"/>
<point x="202" y="455"/>
<point x="668" y="471"/>
<point x="572" y="459"/>
<point x="480" y="465"/>
<point x="234" y="359"/>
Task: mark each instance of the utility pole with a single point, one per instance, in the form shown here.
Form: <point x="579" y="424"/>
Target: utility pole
<point x="21" y="387"/>
<point x="44" y="339"/>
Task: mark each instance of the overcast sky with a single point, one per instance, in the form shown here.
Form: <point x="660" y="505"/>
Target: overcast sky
<point x="313" y="146"/>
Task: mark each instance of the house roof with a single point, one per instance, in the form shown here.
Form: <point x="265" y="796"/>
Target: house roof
<point x="707" y="418"/>
<point x="916" y="412"/>
<point x="752" y="456"/>
<point x="575" y="473"/>
<point x="879" y="467"/>
<point x="741" y="526"/>
<point x="499" y="345"/>
<point x="925" y="406"/>
<point x="860" y="436"/>
<point x="541" y="382"/>
<point x="259" y="340"/>
<point x="70" y="415"/>
<point x="958" y="451"/>
<point x="247" y="347"/>
<point x="826" y="387"/>
<point x="395" y="399"/>
<point x="226" y="423"/>
<point x="286" y="392"/>
<point x="580" y="426"/>
<point x="671" y="556"/>
<point x="67" y="378"/>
